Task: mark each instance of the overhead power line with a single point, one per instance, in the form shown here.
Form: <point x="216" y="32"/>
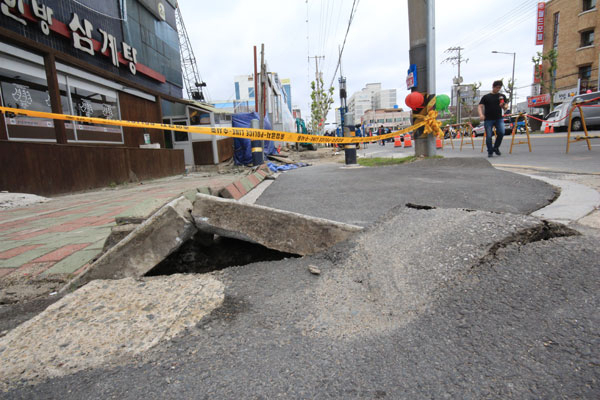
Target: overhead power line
<point x="352" y="14"/>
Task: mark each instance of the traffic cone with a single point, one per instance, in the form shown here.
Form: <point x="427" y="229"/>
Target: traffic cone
<point x="547" y="129"/>
<point x="397" y="141"/>
<point x="457" y="135"/>
<point x="407" y="140"/>
<point x="438" y="143"/>
<point x="551" y="128"/>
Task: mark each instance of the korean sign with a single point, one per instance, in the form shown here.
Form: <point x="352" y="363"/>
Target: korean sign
<point x="79" y="31"/>
<point x="540" y="16"/>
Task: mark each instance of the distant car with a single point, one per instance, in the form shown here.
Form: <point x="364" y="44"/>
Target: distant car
<point x="479" y="131"/>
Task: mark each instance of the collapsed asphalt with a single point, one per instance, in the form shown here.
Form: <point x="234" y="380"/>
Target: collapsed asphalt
<point x="438" y="303"/>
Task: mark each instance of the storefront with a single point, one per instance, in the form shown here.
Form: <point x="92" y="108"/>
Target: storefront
<point x="116" y="59"/>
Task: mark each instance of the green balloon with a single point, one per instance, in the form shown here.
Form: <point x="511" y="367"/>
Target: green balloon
<point x="442" y="101"/>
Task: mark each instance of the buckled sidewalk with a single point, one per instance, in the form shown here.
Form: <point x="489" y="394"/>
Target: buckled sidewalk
<point x="44" y="245"/>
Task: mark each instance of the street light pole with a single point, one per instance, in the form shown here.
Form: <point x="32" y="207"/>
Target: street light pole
<point x="513" y="77"/>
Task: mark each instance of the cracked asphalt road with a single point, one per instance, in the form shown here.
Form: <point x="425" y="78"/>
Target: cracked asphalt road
<point x="422" y="304"/>
<point x="403" y="310"/>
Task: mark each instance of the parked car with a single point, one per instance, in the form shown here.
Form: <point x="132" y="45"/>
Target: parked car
<point x="559" y="117"/>
<point x="479" y="131"/>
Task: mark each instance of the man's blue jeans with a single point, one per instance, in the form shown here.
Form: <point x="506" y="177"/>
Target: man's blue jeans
<point x="489" y="133"/>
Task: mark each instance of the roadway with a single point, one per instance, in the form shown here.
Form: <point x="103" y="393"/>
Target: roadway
<point x="548" y="153"/>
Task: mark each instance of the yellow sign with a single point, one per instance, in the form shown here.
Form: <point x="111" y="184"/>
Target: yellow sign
<point x="243" y="133"/>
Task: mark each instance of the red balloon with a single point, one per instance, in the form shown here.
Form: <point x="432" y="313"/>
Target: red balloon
<point x="414" y="100"/>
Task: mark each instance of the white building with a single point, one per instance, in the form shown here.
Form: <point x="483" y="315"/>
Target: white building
<point x="371" y="97"/>
<point x="393" y="118"/>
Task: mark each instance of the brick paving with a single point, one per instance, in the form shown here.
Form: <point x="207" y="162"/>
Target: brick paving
<point x="61" y="236"/>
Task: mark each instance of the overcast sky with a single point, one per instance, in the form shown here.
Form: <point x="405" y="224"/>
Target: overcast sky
<point x="223" y="34"/>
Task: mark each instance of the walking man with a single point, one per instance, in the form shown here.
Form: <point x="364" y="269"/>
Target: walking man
<point x="491" y="109"/>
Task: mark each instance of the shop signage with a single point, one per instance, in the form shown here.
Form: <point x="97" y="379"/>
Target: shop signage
<point x="80" y="31"/>
<point x="537" y="73"/>
<point x="411" y="77"/>
<point x="537" y="101"/>
<point x="541" y="15"/>
<point x="565" y="94"/>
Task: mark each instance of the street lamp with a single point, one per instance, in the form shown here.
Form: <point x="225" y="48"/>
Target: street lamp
<point x="513" y="76"/>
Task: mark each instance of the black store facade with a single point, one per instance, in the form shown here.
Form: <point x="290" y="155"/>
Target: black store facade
<point x="114" y="59"/>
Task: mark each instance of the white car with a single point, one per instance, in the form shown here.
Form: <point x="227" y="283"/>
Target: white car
<point x="552" y="120"/>
<point x="479" y="131"/>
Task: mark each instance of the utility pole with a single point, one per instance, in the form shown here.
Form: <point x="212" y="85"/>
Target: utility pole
<point x="257" y="145"/>
<point x="457" y="60"/>
<point x="421" y="28"/>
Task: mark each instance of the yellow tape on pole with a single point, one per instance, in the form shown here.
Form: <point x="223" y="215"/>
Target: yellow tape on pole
<point x="244" y="133"/>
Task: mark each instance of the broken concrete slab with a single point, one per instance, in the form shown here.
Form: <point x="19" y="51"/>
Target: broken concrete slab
<point x="276" y="229"/>
<point x="118" y="233"/>
<point x="105" y="322"/>
<point x="144" y="247"/>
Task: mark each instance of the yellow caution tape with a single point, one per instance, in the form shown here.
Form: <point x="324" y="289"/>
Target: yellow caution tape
<point x="257" y="150"/>
<point x="244" y="133"/>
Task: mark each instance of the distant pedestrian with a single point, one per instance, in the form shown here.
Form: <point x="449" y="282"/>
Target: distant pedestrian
<point x="491" y="109"/>
<point x="381" y="132"/>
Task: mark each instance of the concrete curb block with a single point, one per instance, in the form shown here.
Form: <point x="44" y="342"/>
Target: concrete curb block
<point x="276" y="229"/>
<point x="145" y="247"/>
<point x="244" y="185"/>
<point x="575" y="201"/>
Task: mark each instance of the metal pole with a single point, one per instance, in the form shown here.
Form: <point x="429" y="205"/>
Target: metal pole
<point x="431" y="47"/>
<point x="512" y="90"/>
<point x="255" y="83"/>
<point x="421" y="31"/>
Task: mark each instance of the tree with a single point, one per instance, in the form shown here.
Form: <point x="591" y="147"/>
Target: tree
<point x="551" y="62"/>
<point x="321" y="103"/>
<point x="472" y="106"/>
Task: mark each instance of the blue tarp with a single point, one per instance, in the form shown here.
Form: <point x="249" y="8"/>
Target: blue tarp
<point x="242" y="150"/>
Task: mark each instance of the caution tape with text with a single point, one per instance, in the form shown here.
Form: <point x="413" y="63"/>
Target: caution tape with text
<point x="244" y="133"/>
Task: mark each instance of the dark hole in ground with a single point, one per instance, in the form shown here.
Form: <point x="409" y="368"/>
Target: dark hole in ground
<point x="206" y="252"/>
<point x="419" y="206"/>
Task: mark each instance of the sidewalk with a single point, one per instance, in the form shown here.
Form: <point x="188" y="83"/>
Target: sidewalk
<point x="44" y="245"/>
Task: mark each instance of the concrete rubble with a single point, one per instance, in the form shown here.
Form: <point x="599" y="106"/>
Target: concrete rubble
<point x="145" y="246"/>
<point x="276" y="229"/>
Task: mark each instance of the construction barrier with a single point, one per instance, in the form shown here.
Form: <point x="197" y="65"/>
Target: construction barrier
<point x="514" y="131"/>
<point x="407" y="140"/>
<point x="587" y="136"/>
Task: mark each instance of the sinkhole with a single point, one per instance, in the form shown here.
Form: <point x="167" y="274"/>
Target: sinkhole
<point x="206" y="252"/>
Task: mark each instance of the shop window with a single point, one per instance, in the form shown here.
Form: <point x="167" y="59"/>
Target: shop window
<point x="90" y="101"/>
<point x="23" y="86"/>
<point x="587" y="38"/>
<point x="555" y="34"/>
<point x="589" y="5"/>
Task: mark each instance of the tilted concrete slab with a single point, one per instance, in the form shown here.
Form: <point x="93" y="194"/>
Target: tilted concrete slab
<point x="276" y="229"/>
<point x="145" y="247"/>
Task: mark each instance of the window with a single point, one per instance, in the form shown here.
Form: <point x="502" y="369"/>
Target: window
<point x="555" y="34"/>
<point x="237" y="90"/>
<point x="251" y="92"/>
<point x="585" y="72"/>
<point x="587" y="38"/>
<point x="589" y="5"/>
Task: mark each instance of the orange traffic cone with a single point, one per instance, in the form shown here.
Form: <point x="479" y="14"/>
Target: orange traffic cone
<point x="407" y="140"/>
<point x="397" y="141"/>
<point x="551" y="128"/>
<point x="457" y="135"/>
<point x="547" y="129"/>
<point x="438" y="143"/>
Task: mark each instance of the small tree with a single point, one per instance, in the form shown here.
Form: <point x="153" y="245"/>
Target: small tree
<point x="470" y="107"/>
<point x="321" y="103"/>
<point x="551" y="59"/>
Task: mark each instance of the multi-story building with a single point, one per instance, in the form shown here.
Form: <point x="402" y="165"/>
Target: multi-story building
<point x="278" y="100"/>
<point x="112" y="60"/>
<point x="393" y="118"/>
<point x="571" y="27"/>
<point x="371" y="97"/>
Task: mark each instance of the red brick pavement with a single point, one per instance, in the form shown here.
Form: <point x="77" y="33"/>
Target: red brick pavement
<point x="17" y="251"/>
<point x="61" y="253"/>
